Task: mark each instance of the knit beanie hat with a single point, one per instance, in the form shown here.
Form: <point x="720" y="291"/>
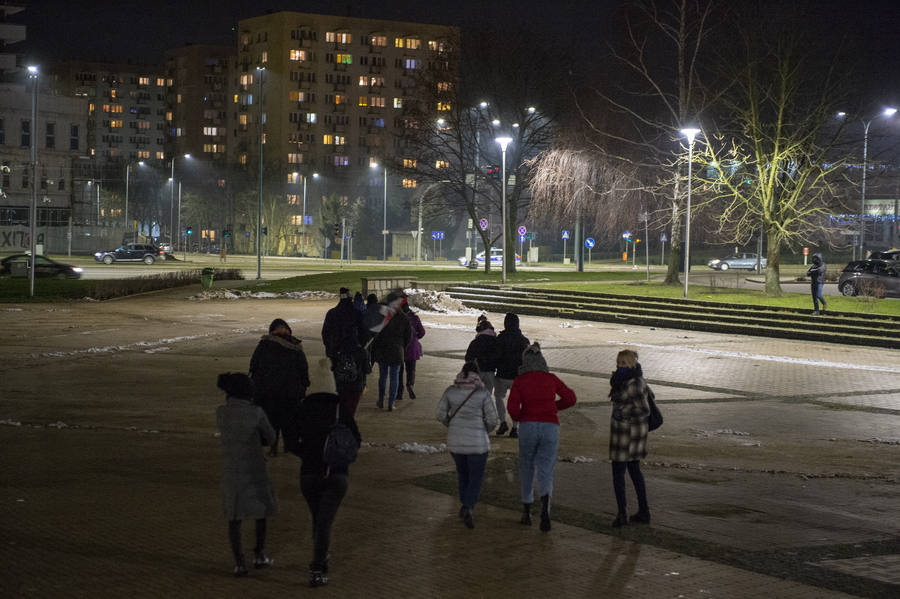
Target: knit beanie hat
<point x="345" y="293"/>
<point x="533" y="359"/>
<point x="278" y="323"/>
<point x="237" y="385"/>
<point x="511" y="321"/>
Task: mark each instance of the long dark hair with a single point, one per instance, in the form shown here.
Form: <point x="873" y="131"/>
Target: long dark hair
<point x="470" y="367"/>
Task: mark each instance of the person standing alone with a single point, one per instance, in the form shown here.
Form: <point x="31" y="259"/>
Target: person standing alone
<point x="816" y="274"/>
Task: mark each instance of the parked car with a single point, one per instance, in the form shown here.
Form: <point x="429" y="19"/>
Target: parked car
<point x="744" y="260"/>
<point x="891" y="254"/>
<point x="43" y="267"/>
<point x="132" y="252"/>
<point x="496" y="259"/>
<point x="870" y="277"/>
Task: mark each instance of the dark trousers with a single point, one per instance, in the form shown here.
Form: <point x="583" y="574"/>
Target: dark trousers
<point x="469" y="473"/>
<point x="637" y="479"/>
<point x="323" y="496"/>
<point x="407" y="376"/>
<point x="817" y="297"/>
<point x="234" y="536"/>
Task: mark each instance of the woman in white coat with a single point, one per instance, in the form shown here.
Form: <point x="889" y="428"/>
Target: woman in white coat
<point x="467" y="409"/>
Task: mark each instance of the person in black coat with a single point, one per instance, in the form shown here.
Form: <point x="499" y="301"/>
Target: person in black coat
<point x="280" y="375"/>
<point x="512" y="343"/>
<point x="816" y="274"/>
<point x="322" y="487"/>
<point x="345" y="336"/>
<point x="485" y="350"/>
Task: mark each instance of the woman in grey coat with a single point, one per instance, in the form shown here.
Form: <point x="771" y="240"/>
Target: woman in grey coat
<point x="628" y="434"/>
<point x="247" y="492"/>
<point x="468" y="411"/>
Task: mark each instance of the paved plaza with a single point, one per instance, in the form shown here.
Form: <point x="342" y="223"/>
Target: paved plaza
<point x="776" y="473"/>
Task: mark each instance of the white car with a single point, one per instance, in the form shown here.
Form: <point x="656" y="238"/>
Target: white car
<point x="496" y="259"/>
<point x="744" y="261"/>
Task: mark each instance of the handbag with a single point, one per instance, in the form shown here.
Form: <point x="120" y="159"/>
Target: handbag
<point x="463" y="403"/>
<point x="655" y="419"/>
<point x="341" y="448"/>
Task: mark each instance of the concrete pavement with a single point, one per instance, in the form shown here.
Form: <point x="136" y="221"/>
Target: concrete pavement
<point x="775" y="475"/>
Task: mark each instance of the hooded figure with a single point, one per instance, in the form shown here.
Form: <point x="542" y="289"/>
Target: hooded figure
<point x="280" y="375"/>
<point x="816" y="274"/>
<point x="345" y="337"/>
<point x="534" y="405"/>
<point x="510" y="345"/>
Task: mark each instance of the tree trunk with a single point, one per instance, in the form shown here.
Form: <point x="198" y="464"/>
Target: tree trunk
<point x="675" y="257"/>
<point x="773" y="264"/>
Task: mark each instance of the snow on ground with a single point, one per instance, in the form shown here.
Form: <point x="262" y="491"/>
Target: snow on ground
<point x="211" y="294"/>
<point x="436" y="302"/>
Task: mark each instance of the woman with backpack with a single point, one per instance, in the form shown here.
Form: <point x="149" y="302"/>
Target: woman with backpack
<point x="628" y="434"/>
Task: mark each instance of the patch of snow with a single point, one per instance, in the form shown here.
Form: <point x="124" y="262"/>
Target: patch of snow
<point x="437" y="302"/>
<point x="212" y="294"/>
<point x="416" y="448"/>
<point x="10" y="423"/>
<point x="58" y="425"/>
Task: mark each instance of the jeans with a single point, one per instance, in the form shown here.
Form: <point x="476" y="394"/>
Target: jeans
<point x="538" y="444"/>
<point x="501" y="386"/>
<point x="384" y="372"/>
<point x="234" y="537"/>
<point x="323" y="496"/>
<point x="817" y="297"/>
<point x="637" y="479"/>
<point x="469" y="473"/>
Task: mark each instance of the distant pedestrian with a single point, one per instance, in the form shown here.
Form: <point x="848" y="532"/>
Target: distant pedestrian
<point x="485" y="350"/>
<point x="534" y="405"/>
<point x="389" y="349"/>
<point x="358" y="302"/>
<point x="467" y="410"/>
<point x="816" y="274"/>
<point x="628" y="434"/>
<point x="323" y="487"/>
<point x="511" y="343"/>
<point x="345" y="336"/>
<point x="280" y="375"/>
<point x="247" y="492"/>
<point x="412" y="354"/>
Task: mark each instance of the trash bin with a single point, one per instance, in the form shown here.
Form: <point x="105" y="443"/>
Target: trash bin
<point x="206" y="277"/>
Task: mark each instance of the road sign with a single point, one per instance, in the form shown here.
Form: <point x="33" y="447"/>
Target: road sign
<point x="521" y="238"/>
<point x="247" y="234"/>
<point x="589" y="242"/>
<point x="483" y="223"/>
<point x="437" y="234"/>
<point x="522" y="230"/>
<point x="663" y="237"/>
<point x="565" y="234"/>
<point x="626" y="235"/>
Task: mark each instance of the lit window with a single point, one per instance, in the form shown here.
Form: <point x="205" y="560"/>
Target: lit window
<point x="378" y="102"/>
<point x="410" y="63"/>
<point x="160" y="155"/>
<point x="295" y="158"/>
<point x="339" y="38"/>
<point x="117" y="109"/>
<point x="311" y="117"/>
<point x="115" y="123"/>
<point x="442" y="164"/>
<point x="410" y="183"/>
<point x="294" y="96"/>
<point x="112" y="93"/>
<point x="379" y="40"/>
<point x="143" y="124"/>
<point x="363" y="101"/>
<point x="444" y="86"/>
<point x="264" y="57"/>
<point x="339" y="99"/>
<point x="293" y="198"/>
<point x="398" y="102"/>
<point x="144" y="81"/>
<point x="409" y="163"/>
<point x="373" y="161"/>
<point x="398" y="42"/>
<point x="145" y="154"/>
<point x="298" y="54"/>
<point x="341" y="161"/>
<point x="364" y="80"/>
<point x="243" y="159"/>
<point x="413" y="44"/>
<point x="169" y="115"/>
<point x="161" y="82"/>
<point x="443" y="106"/>
<point x="344" y="59"/>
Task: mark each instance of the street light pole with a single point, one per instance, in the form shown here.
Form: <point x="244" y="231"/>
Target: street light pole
<point x="260" y="202"/>
<point x="503" y="141"/>
<point x="690" y="133"/>
<point x="305" y="177"/>
<point x="33" y="219"/>
<point x="384" y="223"/>
<point x="862" y="204"/>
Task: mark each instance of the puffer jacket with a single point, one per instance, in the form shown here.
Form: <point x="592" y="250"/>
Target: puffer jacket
<point x="468" y="430"/>
<point x="816" y="272"/>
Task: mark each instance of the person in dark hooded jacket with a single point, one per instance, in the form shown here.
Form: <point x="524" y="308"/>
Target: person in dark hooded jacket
<point x="484" y="350"/>
<point x="510" y="344"/>
<point x="280" y="375"/>
<point x="816" y="274"/>
<point x="345" y="337"/>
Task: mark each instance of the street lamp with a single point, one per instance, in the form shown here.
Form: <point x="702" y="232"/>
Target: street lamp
<point x="862" y="202"/>
<point x="690" y="134"/>
<point x="384" y="222"/>
<point x="503" y="141"/>
<point x="33" y="219"/>
<point x="305" y="177"/>
<point x="172" y="203"/>
<point x="259" y="71"/>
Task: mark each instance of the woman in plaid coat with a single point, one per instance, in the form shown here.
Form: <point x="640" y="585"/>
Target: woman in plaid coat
<point x="628" y="434"/>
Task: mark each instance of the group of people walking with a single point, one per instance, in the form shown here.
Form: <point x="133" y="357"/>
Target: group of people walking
<point x="272" y="403"/>
<point x="509" y="361"/>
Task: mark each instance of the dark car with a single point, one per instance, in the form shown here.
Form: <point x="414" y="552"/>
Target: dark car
<point x="132" y="252"/>
<point x="43" y="267"/>
<point x="892" y="254"/>
<point x="875" y="278"/>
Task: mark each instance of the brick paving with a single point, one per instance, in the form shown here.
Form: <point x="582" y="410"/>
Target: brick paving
<point x="775" y="475"/>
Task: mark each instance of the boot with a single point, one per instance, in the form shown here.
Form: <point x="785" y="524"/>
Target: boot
<point x="641" y="517"/>
<point x="240" y="568"/>
<point x="526" y="514"/>
<point x="621" y="519"/>
<point x="545" y="512"/>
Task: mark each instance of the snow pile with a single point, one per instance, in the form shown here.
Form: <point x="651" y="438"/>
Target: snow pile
<point x="416" y="448"/>
<point x="872" y="440"/>
<point x="579" y="459"/>
<point x="10" y="423"/>
<point x="58" y="425"/>
<point x="229" y="294"/>
<point x="434" y="301"/>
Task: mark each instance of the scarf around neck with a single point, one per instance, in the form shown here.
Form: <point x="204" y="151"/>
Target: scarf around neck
<point x="620" y="377"/>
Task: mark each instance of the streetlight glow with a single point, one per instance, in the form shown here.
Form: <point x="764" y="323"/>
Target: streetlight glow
<point x="690" y="134"/>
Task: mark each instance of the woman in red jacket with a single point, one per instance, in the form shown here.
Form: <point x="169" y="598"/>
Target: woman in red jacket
<point x="533" y="404"/>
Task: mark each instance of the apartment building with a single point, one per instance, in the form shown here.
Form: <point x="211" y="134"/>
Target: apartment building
<point x="332" y="91"/>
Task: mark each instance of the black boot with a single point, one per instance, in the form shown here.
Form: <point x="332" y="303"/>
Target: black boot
<point x="621" y="519"/>
<point x="641" y="517"/>
<point x="526" y="514"/>
<point x="545" y="512"/>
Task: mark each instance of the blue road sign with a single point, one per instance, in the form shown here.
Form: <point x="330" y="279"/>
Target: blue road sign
<point x="626" y="235"/>
<point x="522" y="230"/>
<point x="437" y="234"/>
<point x="565" y="234"/>
<point x="663" y="237"/>
<point x="589" y="242"/>
<point x="521" y="238"/>
<point x="483" y="223"/>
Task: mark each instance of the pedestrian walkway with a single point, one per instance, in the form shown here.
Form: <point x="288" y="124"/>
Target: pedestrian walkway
<point x="775" y="474"/>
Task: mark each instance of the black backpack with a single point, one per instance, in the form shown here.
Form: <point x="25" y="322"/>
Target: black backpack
<point x="341" y="448"/>
<point x="345" y="368"/>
